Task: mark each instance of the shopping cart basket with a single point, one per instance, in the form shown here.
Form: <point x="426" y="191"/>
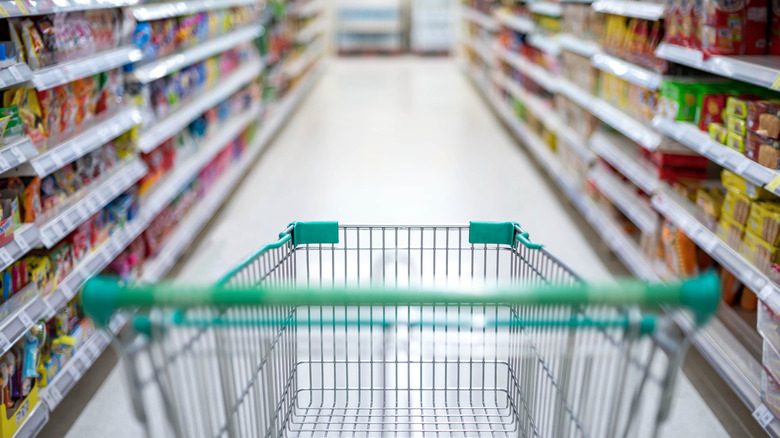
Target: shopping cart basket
<point x="338" y="330"/>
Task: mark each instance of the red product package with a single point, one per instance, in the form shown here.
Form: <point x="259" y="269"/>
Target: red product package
<point x="774" y="27"/>
<point x="734" y="27"/>
<point x="673" y="174"/>
<point x="673" y="24"/>
<point x="711" y="110"/>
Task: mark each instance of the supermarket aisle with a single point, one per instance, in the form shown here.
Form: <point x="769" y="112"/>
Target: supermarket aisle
<point x="387" y="141"/>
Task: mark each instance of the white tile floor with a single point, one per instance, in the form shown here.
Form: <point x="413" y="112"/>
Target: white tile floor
<point x="387" y="141"/>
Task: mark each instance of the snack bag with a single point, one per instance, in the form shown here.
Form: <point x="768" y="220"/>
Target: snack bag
<point x="734" y="27"/>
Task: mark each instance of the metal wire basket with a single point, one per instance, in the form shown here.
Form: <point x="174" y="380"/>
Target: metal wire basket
<point x="340" y="330"/>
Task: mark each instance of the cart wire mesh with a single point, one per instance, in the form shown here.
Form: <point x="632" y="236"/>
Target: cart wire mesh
<point x="402" y="365"/>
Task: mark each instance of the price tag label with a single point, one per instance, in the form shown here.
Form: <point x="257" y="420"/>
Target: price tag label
<point x="18" y="153"/>
<point x="54" y="395"/>
<point x="709" y="245"/>
<point x="50" y="311"/>
<point x="763" y="415"/>
<point x="775" y="86"/>
<point x="4" y="163"/>
<point x="25" y="319"/>
<point x="15" y="73"/>
<point x="74" y="371"/>
<point x="5" y="257"/>
<point x="5" y="344"/>
<point x="93" y="349"/>
<point x="58" y="161"/>
<point x="22" y="7"/>
<point x="742" y="166"/>
<point x="23" y="245"/>
<point x="765" y="292"/>
<point x="773" y="185"/>
<point x="66" y="221"/>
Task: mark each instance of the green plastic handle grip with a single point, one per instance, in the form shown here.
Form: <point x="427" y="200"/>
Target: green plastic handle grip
<point x="103" y="296"/>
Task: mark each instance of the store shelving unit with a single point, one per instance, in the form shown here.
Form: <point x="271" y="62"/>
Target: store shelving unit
<point x="180" y="118"/>
<point x="21" y="157"/>
<point x="63" y="73"/>
<point x="14" y="8"/>
<point x="577" y="45"/>
<point x="700" y="142"/>
<point x="519" y="24"/>
<point x="196" y="219"/>
<point x="647" y="10"/>
<point x="545" y="8"/>
<point x="177" y="61"/>
<point x="92" y="138"/>
<point x="627" y="71"/>
<point x="614" y="150"/>
<point x="157" y="11"/>
<point x="759" y="70"/>
<point x="722" y="342"/>
<point x="484" y="20"/>
<point x="376" y="26"/>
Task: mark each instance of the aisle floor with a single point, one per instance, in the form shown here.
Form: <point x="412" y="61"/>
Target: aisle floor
<point x="397" y="140"/>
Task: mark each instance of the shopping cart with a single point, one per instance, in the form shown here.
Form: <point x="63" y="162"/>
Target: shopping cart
<point x="341" y="330"/>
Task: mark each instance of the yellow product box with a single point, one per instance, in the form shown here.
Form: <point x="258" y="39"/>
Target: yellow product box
<point x="736" y="125"/>
<point x="12" y="418"/>
<point x="710" y="201"/>
<point x="730" y="231"/>
<point x="735" y="182"/>
<point x="759" y="252"/>
<point x="718" y="132"/>
<point x="736" y="206"/>
<point x="764" y="221"/>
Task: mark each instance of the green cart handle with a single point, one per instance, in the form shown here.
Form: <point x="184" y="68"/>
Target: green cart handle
<point x="103" y="296"/>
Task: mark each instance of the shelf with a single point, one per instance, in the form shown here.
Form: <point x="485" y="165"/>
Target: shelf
<point x="25" y="237"/>
<point x="544" y="43"/>
<point x="187" y="113"/>
<point x="699" y="141"/>
<point x="18" y="152"/>
<point x="34" y="422"/>
<point x="299" y="65"/>
<point x="684" y="215"/>
<point x="534" y="72"/>
<point x="311" y="30"/>
<point x="619" y="243"/>
<point x="735" y="364"/>
<point x="617" y="151"/>
<point x="63" y="73"/>
<point x="760" y="70"/>
<point x="545" y="8"/>
<point x="182" y="174"/>
<point x="638" y="9"/>
<point x="625" y="199"/>
<point x="514" y="22"/>
<point x="611" y="233"/>
<point x="13" y="8"/>
<point x="177" y="61"/>
<point x="74" y="369"/>
<point x="547" y="116"/>
<point x="481" y="49"/>
<point x="617" y="119"/>
<point x="15" y="325"/>
<point x="627" y="71"/>
<point x="15" y="75"/>
<point x="76" y="147"/>
<point x="370" y="26"/>
<point x="482" y="19"/>
<point x="197" y="218"/>
<point x="310" y="7"/>
<point x="157" y="11"/>
<point x="98" y="197"/>
<point x="578" y="45"/>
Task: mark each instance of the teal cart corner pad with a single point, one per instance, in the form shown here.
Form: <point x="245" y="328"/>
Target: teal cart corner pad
<point x="496" y="233"/>
<point x="315" y="232"/>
